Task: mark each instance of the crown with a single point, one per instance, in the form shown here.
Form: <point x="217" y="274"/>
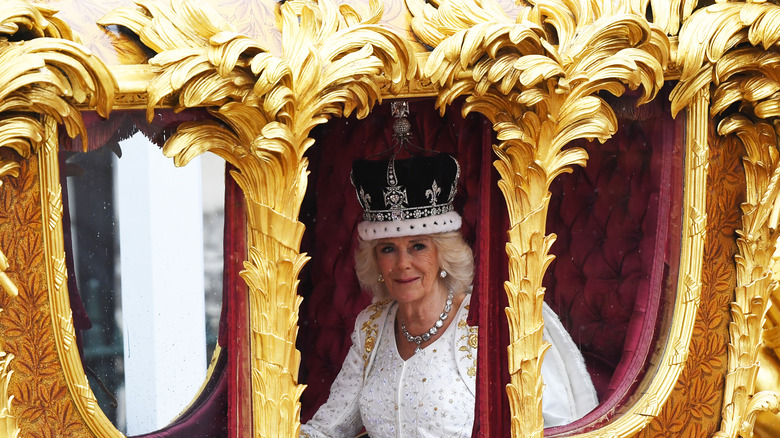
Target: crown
<point x="406" y="197"/>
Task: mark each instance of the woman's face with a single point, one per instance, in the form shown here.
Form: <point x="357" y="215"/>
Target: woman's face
<point x="409" y="265"/>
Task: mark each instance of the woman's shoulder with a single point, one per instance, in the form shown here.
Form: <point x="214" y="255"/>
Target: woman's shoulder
<point x="375" y="310"/>
<point x="367" y="333"/>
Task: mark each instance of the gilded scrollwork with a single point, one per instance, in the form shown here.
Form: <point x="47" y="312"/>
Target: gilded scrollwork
<point x="536" y="78"/>
<point x="539" y="73"/>
<point x="265" y="104"/>
<point x="40" y="76"/>
<point x="44" y="76"/>
<point x="729" y="48"/>
<point x="755" y="284"/>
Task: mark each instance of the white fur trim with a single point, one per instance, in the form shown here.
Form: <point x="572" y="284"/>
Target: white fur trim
<point x="441" y="223"/>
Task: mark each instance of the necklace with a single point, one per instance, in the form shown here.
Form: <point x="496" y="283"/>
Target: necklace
<point x="432" y="331"/>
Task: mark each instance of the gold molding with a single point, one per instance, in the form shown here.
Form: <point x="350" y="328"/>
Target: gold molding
<point x="42" y="81"/>
<point x="132" y="81"/>
<point x="59" y="301"/>
<point x="8" y="424"/>
<point x="536" y="79"/>
<point x="42" y="75"/>
<point x="48" y="74"/>
<point x="332" y="63"/>
<point x="755" y="284"/>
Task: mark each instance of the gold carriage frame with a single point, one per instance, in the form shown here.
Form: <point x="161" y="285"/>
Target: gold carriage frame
<point x="538" y="78"/>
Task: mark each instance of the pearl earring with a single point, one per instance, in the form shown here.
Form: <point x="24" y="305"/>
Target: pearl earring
<point x="443" y="273"/>
<point x="381" y="279"/>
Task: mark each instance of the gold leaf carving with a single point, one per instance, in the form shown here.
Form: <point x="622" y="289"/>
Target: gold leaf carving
<point x="46" y="74"/>
<point x="650" y="408"/>
<point x="60" y="273"/>
<point x="755" y="285"/>
<point x="8" y="423"/>
<point x="728" y="47"/>
<point x="715" y="48"/>
<point x="55" y="207"/>
<point x="68" y="334"/>
<point x="87" y="398"/>
<point x="264" y="105"/>
<point x="680" y="354"/>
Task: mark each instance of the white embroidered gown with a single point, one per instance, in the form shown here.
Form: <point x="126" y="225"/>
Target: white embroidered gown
<point x="431" y="394"/>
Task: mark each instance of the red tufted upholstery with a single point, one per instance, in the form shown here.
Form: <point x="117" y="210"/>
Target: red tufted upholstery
<point x="614" y="253"/>
<point x="600" y="215"/>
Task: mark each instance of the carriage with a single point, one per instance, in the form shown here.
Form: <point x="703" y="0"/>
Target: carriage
<point x="620" y="162"/>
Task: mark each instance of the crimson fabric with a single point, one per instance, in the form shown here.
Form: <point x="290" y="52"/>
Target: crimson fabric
<point x="487" y="311"/>
<point x="205" y="418"/>
<point x="234" y="333"/>
<point x="123" y="124"/>
<point x="618" y="233"/>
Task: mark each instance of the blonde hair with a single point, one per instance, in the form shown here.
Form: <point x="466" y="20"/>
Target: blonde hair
<point x="455" y="257"/>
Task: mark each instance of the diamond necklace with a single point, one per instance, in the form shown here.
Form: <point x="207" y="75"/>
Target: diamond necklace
<point x="432" y="331"/>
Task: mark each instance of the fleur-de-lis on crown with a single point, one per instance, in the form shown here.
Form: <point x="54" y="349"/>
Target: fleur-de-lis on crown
<point x="433" y="193"/>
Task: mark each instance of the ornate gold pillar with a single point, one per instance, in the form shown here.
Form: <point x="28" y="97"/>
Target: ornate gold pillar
<point x="266" y="105"/>
<point x="536" y="79"/>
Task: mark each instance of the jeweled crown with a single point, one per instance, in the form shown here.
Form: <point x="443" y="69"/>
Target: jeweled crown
<point x="402" y="197"/>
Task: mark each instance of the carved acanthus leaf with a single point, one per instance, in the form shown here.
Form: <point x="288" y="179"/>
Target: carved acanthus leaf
<point x="46" y="74"/>
<point x="755" y="285"/>
<point x="732" y="46"/>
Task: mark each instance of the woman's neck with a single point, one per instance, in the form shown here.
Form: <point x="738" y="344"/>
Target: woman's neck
<point x="419" y="316"/>
<point x="420" y="320"/>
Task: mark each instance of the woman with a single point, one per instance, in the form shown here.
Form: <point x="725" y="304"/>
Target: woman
<point x="411" y="370"/>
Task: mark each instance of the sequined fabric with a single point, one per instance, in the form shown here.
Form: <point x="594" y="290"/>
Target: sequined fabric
<point x="424" y="396"/>
<point x="446" y="394"/>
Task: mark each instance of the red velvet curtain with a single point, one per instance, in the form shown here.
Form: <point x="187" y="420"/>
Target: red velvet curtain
<point x="618" y="226"/>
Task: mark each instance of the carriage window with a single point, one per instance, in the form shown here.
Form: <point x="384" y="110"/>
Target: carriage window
<point x="147" y="252"/>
